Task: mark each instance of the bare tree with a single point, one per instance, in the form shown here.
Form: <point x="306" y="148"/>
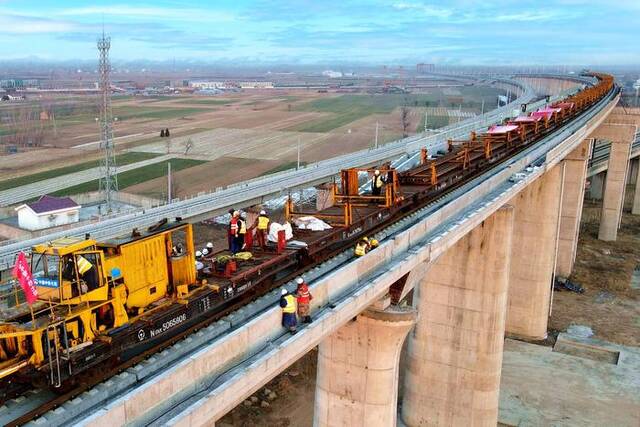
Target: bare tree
<point x="404" y="119"/>
<point x="27" y="125"/>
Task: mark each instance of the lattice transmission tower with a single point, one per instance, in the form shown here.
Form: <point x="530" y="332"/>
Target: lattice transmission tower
<point x="109" y="178"/>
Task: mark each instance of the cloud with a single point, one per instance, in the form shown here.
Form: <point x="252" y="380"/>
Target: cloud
<point x="20" y="24"/>
<point x="180" y="40"/>
<point x="132" y="12"/>
<point x="529" y="16"/>
<point x="484" y="13"/>
<point x="311" y="31"/>
<point x="424" y="9"/>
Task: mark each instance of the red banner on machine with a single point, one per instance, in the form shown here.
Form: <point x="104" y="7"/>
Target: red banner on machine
<point x="22" y="272"/>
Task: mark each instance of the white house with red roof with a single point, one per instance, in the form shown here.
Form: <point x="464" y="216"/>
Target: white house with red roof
<point x="48" y="211"/>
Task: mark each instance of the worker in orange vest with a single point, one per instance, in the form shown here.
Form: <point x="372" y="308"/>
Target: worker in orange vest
<point x="304" y="298"/>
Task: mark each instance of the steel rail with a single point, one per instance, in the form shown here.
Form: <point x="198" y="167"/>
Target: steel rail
<point x="536" y="152"/>
<point x="260" y="189"/>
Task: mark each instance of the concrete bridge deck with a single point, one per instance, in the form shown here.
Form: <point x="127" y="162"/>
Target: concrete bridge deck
<point x="258" y="190"/>
<point x="202" y="386"/>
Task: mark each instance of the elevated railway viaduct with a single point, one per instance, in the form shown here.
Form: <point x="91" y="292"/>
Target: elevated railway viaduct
<point x="258" y="190"/>
<point x="474" y="265"/>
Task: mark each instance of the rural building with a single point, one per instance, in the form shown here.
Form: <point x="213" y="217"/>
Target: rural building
<point x="423" y="68"/>
<point x="48" y="212"/>
<point x="332" y="74"/>
<point x="207" y="84"/>
<point x="256" y="85"/>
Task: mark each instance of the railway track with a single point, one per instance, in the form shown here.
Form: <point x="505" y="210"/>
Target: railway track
<point x="256" y="190"/>
<point x="334" y="258"/>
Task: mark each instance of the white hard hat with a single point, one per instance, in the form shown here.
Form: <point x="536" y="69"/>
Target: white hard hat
<point x="299" y="280"/>
<point x="236" y="213"/>
<point x="377" y="172"/>
<point x="263" y="213"/>
<point x="283" y="291"/>
<point x="243" y="214"/>
<point x="210" y="245"/>
<point x="205" y="251"/>
<point x="198" y="253"/>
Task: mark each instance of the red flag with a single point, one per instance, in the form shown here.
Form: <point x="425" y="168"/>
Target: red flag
<point x="22" y="272"/>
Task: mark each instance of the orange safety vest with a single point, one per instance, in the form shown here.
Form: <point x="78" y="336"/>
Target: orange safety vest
<point x="304" y="296"/>
<point x="233" y="226"/>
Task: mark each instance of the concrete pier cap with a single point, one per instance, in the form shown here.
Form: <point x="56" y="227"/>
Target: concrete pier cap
<point x="358" y="369"/>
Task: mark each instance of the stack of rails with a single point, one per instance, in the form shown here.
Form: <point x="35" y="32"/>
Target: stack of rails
<point x="145" y="295"/>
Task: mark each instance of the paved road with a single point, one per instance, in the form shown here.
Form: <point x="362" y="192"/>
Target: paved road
<point x="29" y="191"/>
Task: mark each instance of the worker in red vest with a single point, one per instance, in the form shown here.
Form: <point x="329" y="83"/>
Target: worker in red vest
<point x="304" y="298"/>
<point x="229" y="235"/>
<point x="234" y="231"/>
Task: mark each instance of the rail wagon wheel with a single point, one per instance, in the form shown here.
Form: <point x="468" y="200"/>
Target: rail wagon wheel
<point x="67" y="386"/>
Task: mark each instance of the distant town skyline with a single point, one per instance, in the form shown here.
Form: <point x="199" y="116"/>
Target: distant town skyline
<point x="324" y="32"/>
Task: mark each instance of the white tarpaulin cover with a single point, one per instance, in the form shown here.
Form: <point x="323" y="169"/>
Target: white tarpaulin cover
<point x="275" y="227"/>
<point x="311" y="223"/>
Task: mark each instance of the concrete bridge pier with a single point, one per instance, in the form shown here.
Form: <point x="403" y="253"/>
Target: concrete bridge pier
<point x="533" y="255"/>
<point x="596" y="189"/>
<point x="621" y="137"/>
<point x="635" y="209"/>
<point x="575" y="174"/>
<point x="454" y="354"/>
<point x="629" y="117"/>
<point x="358" y="367"/>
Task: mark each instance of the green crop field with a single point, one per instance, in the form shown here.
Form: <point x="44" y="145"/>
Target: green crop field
<point x="207" y="101"/>
<point x="136" y="176"/>
<point x="121" y="160"/>
<point x="435" y="122"/>
<point x="127" y="112"/>
<point x="345" y="109"/>
<point x="283" y="167"/>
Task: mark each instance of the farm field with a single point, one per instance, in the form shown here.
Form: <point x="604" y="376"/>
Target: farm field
<point x="348" y="108"/>
<point x="121" y="160"/>
<point x="254" y="131"/>
<point x="133" y="177"/>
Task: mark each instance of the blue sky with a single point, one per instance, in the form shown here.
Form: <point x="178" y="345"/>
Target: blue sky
<point x="328" y="32"/>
